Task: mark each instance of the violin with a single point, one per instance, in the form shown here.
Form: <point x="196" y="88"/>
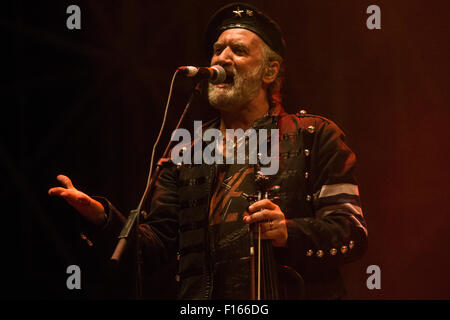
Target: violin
<point x="268" y="280"/>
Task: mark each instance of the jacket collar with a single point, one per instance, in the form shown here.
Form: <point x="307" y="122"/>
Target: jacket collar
<point x="268" y="121"/>
<point x="271" y="117"/>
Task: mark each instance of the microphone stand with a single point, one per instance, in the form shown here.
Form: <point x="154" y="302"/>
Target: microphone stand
<point x="133" y="218"/>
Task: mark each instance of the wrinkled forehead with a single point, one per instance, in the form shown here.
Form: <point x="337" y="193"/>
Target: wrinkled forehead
<point x="239" y="36"/>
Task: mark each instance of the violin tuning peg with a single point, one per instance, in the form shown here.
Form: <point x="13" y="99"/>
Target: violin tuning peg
<point x="275" y="189"/>
<point x="262" y="181"/>
<point x="260" y="175"/>
<point x="144" y="214"/>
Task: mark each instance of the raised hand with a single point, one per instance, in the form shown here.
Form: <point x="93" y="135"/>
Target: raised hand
<point x="89" y="208"/>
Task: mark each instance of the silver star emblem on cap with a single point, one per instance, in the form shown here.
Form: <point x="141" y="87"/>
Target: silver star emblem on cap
<point x="238" y="12"/>
<point x="249" y="12"/>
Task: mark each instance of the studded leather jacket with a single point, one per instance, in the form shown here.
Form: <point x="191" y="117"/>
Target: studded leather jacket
<point x="318" y="196"/>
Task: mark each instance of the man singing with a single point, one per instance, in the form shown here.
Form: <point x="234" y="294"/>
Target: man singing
<point x="200" y="214"/>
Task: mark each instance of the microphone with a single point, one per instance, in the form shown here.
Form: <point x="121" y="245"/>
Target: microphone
<point x="215" y="74"/>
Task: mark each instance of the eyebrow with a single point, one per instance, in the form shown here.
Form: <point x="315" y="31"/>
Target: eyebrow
<point x="237" y="45"/>
<point x="217" y="45"/>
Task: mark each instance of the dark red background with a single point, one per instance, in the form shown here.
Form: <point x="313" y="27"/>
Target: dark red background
<point x="88" y="103"/>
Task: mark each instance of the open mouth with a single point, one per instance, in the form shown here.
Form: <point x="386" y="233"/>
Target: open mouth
<point x="229" y="79"/>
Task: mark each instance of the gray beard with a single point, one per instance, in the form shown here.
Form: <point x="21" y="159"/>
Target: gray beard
<point x="244" y="89"/>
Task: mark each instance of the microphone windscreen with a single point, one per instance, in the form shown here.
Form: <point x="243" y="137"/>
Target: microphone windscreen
<point x="220" y="75"/>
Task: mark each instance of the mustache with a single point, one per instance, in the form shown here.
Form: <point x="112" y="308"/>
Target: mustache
<point x="231" y="70"/>
<point x="240" y="78"/>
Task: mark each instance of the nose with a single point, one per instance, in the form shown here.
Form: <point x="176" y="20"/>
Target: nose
<point x="225" y="58"/>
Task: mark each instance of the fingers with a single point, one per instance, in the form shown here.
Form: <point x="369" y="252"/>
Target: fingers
<point x="74" y="197"/>
<point x="265" y="214"/>
<point x="65" y="181"/>
<point x="271" y="220"/>
<point x="267" y="226"/>
<point x="262" y="204"/>
<point x="89" y="208"/>
<point x="275" y="231"/>
<point x="258" y="216"/>
<point x="57" y="191"/>
<point x="271" y="226"/>
<point x="263" y="210"/>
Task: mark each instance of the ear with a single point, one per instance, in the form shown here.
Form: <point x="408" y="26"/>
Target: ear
<point x="271" y="72"/>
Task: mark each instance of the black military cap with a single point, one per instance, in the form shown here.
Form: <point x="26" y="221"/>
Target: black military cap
<point x="243" y="15"/>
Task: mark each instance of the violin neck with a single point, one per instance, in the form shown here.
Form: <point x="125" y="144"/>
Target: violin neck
<point x="267" y="266"/>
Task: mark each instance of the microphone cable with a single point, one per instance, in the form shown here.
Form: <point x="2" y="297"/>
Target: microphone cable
<point x="147" y="188"/>
<point x="149" y="178"/>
